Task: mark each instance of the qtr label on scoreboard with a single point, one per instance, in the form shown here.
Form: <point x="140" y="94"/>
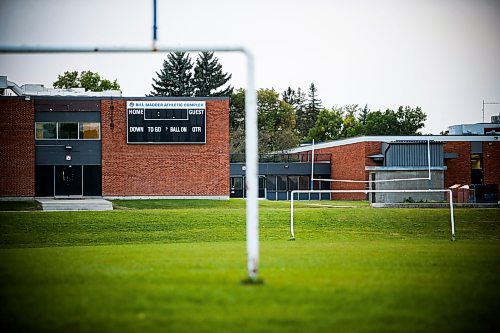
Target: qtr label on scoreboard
<point x="166" y="122"/>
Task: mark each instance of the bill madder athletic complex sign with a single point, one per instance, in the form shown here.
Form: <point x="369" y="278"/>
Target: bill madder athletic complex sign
<point x="173" y="122"/>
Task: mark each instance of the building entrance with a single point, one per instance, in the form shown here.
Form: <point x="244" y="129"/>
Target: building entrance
<point x="68" y="180"/>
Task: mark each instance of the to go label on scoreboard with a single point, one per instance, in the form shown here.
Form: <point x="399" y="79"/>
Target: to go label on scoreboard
<point x="164" y="122"/>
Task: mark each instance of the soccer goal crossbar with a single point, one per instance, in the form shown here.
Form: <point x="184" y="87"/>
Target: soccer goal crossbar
<point x="450" y="196"/>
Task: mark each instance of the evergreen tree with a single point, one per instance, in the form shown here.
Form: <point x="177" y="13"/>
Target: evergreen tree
<point x="363" y="115"/>
<point x="175" y="77"/>
<point x="313" y="107"/>
<point x="208" y="77"/>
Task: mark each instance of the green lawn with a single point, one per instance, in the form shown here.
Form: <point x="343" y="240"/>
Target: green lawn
<point x="176" y="266"/>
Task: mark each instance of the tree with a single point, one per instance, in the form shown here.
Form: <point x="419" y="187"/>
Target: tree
<point x="312" y="109"/>
<point x="406" y="121"/>
<point x="297" y="99"/>
<point x="86" y="79"/>
<point x="410" y="120"/>
<point x="328" y="126"/>
<point x="276" y="122"/>
<point x="351" y="126"/>
<point x="175" y="78"/>
<point x="208" y="77"/>
<point x="363" y="115"/>
<point x="382" y="123"/>
<point x="237" y="110"/>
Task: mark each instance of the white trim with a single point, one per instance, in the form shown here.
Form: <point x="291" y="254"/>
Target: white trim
<point x="359" y="139"/>
<point x="148" y="197"/>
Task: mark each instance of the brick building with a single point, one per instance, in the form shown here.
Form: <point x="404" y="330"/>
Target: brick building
<point x="151" y="147"/>
<point x="114" y="147"/>
<point x="472" y="160"/>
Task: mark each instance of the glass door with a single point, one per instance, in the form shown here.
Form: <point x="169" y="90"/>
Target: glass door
<point x="68" y="180"/>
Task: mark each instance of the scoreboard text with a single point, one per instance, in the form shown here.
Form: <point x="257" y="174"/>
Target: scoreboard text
<point x="180" y="122"/>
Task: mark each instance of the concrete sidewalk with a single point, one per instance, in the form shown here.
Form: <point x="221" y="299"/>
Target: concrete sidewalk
<point x="52" y="204"/>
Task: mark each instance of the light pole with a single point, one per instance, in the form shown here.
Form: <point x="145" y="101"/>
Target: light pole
<point x="486" y="103"/>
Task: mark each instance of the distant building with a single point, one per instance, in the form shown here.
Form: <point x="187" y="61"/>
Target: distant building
<point x="472" y="160"/>
<point x="71" y="143"/>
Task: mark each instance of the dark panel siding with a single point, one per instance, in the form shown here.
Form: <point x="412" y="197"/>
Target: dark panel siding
<point x="67" y="105"/>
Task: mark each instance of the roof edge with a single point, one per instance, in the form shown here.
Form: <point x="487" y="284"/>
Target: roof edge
<point x="392" y="138"/>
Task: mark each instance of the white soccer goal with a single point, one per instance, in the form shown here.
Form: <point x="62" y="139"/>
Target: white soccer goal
<point x="452" y="219"/>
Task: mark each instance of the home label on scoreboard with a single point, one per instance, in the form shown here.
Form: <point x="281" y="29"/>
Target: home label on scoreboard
<point x="175" y="122"/>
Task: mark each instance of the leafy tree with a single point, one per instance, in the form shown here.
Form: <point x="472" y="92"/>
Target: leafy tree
<point x="208" y="77"/>
<point x="297" y="99"/>
<point x="312" y="109"/>
<point x="237" y="110"/>
<point x="406" y="121"/>
<point x="410" y="120"/>
<point x="382" y="123"/>
<point x="328" y="126"/>
<point x="86" y="79"/>
<point x="351" y="126"/>
<point x="175" y="78"/>
<point x="237" y="140"/>
<point x="276" y="122"/>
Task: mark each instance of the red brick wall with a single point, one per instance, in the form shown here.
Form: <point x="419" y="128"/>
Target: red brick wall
<point x="165" y="170"/>
<point x="491" y="158"/>
<point x="17" y="147"/>
<point x="458" y="169"/>
<point x="348" y="162"/>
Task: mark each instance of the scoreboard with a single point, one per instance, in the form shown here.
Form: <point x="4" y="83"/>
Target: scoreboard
<point x="164" y="122"/>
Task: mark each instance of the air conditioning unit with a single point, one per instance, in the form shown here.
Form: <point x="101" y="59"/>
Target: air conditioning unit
<point x="495" y="119"/>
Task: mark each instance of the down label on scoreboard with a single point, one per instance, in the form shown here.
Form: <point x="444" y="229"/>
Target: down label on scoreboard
<point x="179" y="122"/>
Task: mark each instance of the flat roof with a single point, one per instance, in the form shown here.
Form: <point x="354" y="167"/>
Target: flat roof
<point x="116" y="98"/>
<point x="394" y="138"/>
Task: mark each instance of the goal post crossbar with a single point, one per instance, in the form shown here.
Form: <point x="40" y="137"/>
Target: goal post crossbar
<point x="452" y="219"/>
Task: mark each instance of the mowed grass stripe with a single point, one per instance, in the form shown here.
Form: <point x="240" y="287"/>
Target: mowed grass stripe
<point x="187" y="224"/>
<point x="358" y="286"/>
<point x="177" y="267"/>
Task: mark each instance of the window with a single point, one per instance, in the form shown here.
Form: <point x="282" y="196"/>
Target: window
<point x="293" y="183"/>
<point x="237" y="183"/>
<point x="67" y="130"/>
<point x="89" y="131"/>
<point x="281" y="183"/>
<point x="304" y="183"/>
<point x="63" y="131"/>
<point x="476" y="161"/>
<point x="271" y="183"/>
<point x="45" y="131"/>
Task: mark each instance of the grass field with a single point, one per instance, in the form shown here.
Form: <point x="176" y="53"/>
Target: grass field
<point x="176" y="266"/>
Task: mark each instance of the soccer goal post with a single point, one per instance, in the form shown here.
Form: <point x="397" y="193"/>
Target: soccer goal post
<point x="452" y="219"/>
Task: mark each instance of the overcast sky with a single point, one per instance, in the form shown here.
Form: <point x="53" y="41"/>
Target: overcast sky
<point x="441" y="55"/>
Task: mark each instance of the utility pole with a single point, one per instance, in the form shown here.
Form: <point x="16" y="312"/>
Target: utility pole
<point x="487" y="103"/>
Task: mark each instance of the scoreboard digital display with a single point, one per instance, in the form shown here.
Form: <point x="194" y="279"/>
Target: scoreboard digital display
<point x="164" y="122"/>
